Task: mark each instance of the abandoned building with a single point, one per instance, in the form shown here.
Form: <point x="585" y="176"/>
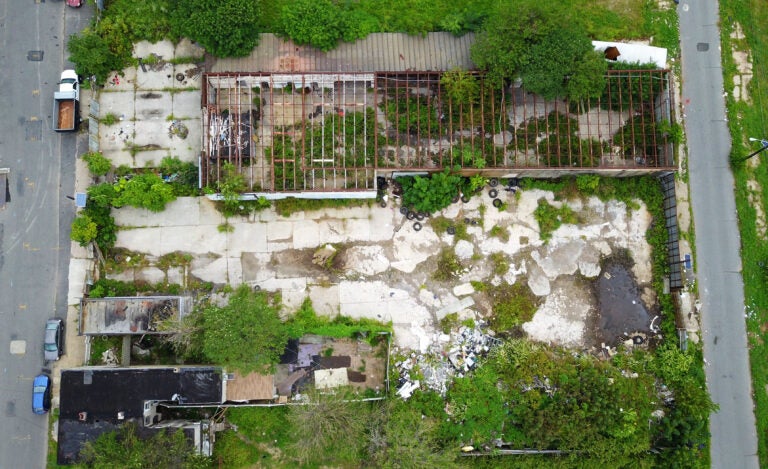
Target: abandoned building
<point x="294" y="120"/>
<point x="97" y="400"/>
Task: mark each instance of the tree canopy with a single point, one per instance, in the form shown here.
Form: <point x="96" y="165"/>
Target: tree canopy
<point x="225" y="28"/>
<point x="246" y="334"/>
<point x="538" y="42"/>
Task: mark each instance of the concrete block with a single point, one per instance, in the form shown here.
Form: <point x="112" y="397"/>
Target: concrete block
<point x="306" y="234"/>
<point x="279" y="230"/>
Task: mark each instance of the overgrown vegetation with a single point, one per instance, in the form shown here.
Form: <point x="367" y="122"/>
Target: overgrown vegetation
<point x="230" y="339"/>
<point x="165" y="448"/>
<point x="306" y="321"/>
<point x="290" y="205"/>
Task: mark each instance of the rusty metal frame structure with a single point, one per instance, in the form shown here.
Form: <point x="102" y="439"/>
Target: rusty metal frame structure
<point x="335" y="132"/>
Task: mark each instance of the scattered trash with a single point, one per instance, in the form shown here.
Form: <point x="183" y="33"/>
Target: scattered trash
<point x="450" y="355"/>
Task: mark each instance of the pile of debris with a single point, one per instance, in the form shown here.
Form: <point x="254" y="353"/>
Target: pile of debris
<point x="450" y="355"/>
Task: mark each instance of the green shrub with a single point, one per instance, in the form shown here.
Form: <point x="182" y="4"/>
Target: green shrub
<point x="146" y="190"/>
<point x="105" y="225"/>
<point x="84" y="230"/>
<point x="98" y="164"/>
<point x="105" y="287"/>
<point x="182" y="176"/>
<point x="430" y="194"/>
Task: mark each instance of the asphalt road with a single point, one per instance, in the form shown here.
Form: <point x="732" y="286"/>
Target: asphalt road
<point x="721" y="289"/>
<point x="34" y="226"/>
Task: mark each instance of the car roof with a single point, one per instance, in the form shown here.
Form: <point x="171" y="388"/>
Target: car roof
<point x="41" y="380"/>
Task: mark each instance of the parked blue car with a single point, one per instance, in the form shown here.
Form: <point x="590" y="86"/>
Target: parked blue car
<point x="41" y="394"/>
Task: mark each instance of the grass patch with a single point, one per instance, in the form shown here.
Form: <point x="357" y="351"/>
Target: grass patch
<point x="441" y="224"/>
<point x="99" y="345"/>
<point x="512" y="305"/>
<point x="499" y="232"/>
<point x="449" y="266"/>
<point x="291" y="205"/>
<point x="500" y="263"/>
<point x="306" y="321"/>
<point x="550" y="218"/>
<point x="449" y="322"/>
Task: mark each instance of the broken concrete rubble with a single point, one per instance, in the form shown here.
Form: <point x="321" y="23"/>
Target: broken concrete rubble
<point x="445" y="359"/>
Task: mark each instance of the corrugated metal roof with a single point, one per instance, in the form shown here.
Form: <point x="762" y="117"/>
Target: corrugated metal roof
<point x="390" y="52"/>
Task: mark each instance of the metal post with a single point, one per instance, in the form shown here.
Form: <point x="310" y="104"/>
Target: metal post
<point x="764" y="147"/>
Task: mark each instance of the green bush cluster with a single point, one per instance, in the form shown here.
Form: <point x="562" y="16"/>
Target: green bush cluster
<point x="98" y="164"/>
<point x="430" y="194"/>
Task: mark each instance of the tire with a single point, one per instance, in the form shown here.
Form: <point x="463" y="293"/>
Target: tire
<point x="403" y="211"/>
<point x="493" y="193"/>
<point x="411" y="215"/>
<point x="420" y="216"/>
<point x="464" y="199"/>
<point x="497" y="203"/>
<point x="493" y="182"/>
<point x="451" y="230"/>
<point x="417" y="226"/>
<point x="383" y="204"/>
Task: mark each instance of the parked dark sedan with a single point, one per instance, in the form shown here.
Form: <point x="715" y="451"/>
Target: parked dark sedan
<point x="52" y="347"/>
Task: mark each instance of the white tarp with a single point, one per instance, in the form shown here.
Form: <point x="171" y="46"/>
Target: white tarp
<point x="633" y="53"/>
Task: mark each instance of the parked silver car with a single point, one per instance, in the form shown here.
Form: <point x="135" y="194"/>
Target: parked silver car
<point x="53" y="345"/>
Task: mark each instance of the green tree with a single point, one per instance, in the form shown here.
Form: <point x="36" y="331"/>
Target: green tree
<point x="125" y="449"/>
<point x="317" y="23"/>
<point x="554" y="59"/>
<point x="246" y="334"/>
<point x="84" y="230"/>
<point x="92" y="55"/>
<point x="225" y="28"/>
<point x="146" y="190"/>
<point x="587" y="80"/>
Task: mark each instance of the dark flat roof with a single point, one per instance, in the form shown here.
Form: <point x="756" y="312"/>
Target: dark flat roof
<point x="103" y="392"/>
